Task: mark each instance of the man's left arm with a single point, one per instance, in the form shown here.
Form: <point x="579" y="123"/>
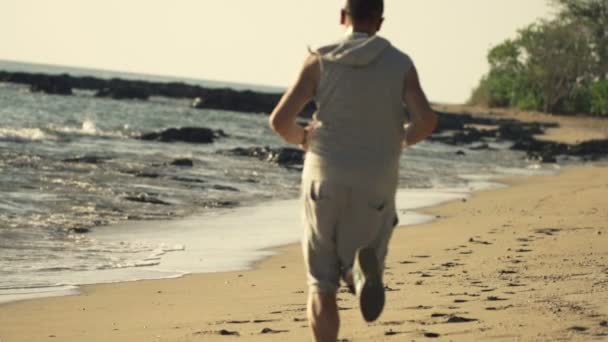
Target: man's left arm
<point x="283" y="117"/>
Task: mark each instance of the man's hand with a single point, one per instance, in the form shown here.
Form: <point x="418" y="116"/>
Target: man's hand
<point x="423" y="119"/>
<point x="283" y="117"/>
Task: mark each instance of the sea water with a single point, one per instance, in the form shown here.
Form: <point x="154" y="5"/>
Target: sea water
<point x="47" y="202"/>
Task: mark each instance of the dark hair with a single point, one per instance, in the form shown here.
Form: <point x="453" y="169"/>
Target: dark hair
<point x="364" y="9"/>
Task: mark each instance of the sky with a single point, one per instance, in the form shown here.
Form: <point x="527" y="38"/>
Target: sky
<point x="257" y="42"/>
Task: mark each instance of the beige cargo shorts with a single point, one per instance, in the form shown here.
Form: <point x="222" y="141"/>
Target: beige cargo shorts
<point x="338" y="220"/>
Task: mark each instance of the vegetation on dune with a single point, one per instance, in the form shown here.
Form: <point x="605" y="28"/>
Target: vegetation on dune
<point x="558" y="66"/>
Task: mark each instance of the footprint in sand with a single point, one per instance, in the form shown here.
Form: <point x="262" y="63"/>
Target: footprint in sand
<point x="480" y="242"/>
<point x="258" y="321"/>
<point x="500" y="308"/>
<point x="225" y="332"/>
<point x="390" y="289"/>
<point x="516" y="285"/>
<point x="391" y="332"/>
<point x="431" y="335"/>
<point x="406" y="262"/>
<point x="501" y="272"/>
<point x="547" y="231"/>
<point x="459" y="319"/>
<point x="389" y="323"/>
<point x="523" y="250"/>
<point x="436" y="315"/>
<point x="578" y="328"/>
<point x="271" y="331"/>
<point x="419" y="307"/>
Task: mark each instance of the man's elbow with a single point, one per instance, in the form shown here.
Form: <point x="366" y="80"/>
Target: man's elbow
<point x="276" y="123"/>
<point x="428" y="124"/>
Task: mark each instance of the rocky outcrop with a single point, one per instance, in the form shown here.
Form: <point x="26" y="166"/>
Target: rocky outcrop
<point x="548" y="151"/>
<point x="53" y="85"/>
<point x="121" y="89"/>
<point x="459" y="130"/>
<point x="124" y="93"/>
<point x="193" y="135"/>
<point x="287" y="157"/>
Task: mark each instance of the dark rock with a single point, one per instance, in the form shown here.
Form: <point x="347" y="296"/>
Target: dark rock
<point x="80" y="230"/>
<point x="54" y="85"/>
<point x="124" y="92"/>
<point x="199" y="135"/>
<point x="188" y="180"/>
<point x="287" y="157"/>
<point x="220" y="204"/>
<point x="183" y="162"/>
<point x="225" y="188"/>
<point x="460" y="153"/>
<point x="145" y="198"/>
<point x="147" y="175"/>
<point x="517" y="130"/>
<point x="86" y="159"/>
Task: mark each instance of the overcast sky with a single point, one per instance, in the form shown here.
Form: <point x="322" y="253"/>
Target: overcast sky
<point x="258" y="42"/>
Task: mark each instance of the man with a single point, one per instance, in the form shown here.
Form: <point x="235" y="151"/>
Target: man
<point x="350" y="176"/>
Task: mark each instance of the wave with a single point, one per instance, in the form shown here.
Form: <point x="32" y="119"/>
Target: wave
<point x="56" y="132"/>
<point x="21" y="135"/>
<point x="88" y="128"/>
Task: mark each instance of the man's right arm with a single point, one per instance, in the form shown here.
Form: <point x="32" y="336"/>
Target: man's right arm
<point x="423" y="119"/>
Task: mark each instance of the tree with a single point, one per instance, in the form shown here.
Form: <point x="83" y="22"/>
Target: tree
<point x="593" y="15"/>
<point x="558" y="58"/>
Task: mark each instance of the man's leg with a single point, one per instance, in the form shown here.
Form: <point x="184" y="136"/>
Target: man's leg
<point x="323" y="316"/>
<point x="322" y="203"/>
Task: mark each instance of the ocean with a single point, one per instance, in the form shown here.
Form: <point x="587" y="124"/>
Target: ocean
<point x="70" y="165"/>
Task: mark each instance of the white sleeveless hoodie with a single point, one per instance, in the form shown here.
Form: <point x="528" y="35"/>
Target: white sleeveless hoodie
<point x="360" y="114"/>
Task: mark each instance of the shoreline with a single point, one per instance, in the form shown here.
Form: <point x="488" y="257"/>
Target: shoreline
<point x="264" y="296"/>
<point x="181" y="259"/>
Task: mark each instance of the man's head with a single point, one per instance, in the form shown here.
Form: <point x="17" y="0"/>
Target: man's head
<point x="363" y="14"/>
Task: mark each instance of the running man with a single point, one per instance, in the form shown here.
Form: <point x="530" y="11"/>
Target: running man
<point x="361" y="86"/>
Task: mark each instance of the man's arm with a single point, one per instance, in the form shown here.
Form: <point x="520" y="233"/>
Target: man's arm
<point x="423" y="119"/>
<point x="283" y="117"/>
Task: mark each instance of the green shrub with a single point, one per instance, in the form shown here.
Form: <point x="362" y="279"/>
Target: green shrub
<point x="578" y="102"/>
<point x="599" y="98"/>
<point x="529" y="101"/>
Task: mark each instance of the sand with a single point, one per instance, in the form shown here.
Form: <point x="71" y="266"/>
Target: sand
<point x="524" y="263"/>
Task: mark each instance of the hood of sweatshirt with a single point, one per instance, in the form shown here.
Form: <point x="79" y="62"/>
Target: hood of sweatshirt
<point x="357" y="49"/>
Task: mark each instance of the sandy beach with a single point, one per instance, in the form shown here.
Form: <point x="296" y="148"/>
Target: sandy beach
<point x="528" y="262"/>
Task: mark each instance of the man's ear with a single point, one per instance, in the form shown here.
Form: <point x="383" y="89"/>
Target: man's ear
<point x="380" y="22"/>
<point x="342" y="17"/>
